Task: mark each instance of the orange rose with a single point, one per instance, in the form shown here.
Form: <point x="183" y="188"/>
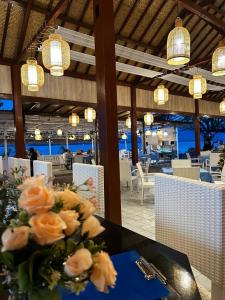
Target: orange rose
<point x="47" y="228"/>
<point x="103" y="272"/>
<point x="87" y="208"/>
<point x="15" y="238"/>
<point x="78" y="263"/>
<point x="32" y="181"/>
<point x="36" y="199"/>
<point x="70" y="218"/>
<point x="92" y="227"/>
<point x="69" y="199"/>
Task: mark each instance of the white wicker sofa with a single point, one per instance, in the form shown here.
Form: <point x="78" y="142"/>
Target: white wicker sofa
<point x="190" y="217"/>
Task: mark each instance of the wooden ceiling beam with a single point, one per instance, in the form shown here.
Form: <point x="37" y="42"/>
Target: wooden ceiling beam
<point x="203" y="14"/>
<point x="24" y="27"/>
<point x="49" y="20"/>
<point x="6" y="27"/>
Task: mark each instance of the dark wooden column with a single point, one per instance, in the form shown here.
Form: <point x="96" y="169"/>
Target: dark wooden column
<point x="143" y="137"/>
<point x="18" y="112"/>
<point x="197" y="127"/>
<point x="107" y="106"/>
<point x="96" y="140"/>
<point x="133" y="116"/>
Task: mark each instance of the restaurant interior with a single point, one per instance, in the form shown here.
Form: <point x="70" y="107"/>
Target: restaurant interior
<point x="121" y="102"/>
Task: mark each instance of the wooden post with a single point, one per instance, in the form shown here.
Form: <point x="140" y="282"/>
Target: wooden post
<point x="197" y="127"/>
<point x="107" y="106"/>
<point x="133" y="116"/>
<point x="96" y="140"/>
<point x="18" y="112"/>
<point x="143" y="138"/>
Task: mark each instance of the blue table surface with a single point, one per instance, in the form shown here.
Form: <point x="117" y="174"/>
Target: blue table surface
<point x="204" y="174"/>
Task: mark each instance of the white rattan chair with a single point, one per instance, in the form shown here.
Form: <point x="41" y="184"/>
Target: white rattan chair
<point x="222" y="181"/>
<point x="213" y="160"/>
<point x="190" y="219"/>
<point x="147" y="181"/>
<point x="195" y="162"/>
<point x="81" y="172"/>
<point x="25" y="163"/>
<point x="192" y="173"/>
<point x="181" y="163"/>
<point x="126" y="174"/>
<point x="43" y="168"/>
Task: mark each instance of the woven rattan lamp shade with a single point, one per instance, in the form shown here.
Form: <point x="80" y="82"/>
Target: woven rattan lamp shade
<point x="74" y="119"/>
<point x="197" y="86"/>
<point x="218" y="60"/>
<point x="148" y="133"/>
<point x="222" y="107"/>
<point x="161" y="95"/>
<point x="128" y="122"/>
<point x="148" y="119"/>
<point x="124" y="136"/>
<point x="178" y="45"/>
<point x="87" y="137"/>
<point x="32" y="75"/>
<point x="56" y="54"/>
<point x="90" y="114"/>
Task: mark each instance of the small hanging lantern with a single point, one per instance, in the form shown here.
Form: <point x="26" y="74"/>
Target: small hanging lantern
<point x="148" y="133"/>
<point x="161" y="95"/>
<point x="90" y="114"/>
<point x="197" y="86"/>
<point x="124" y="136"/>
<point x="56" y="54"/>
<point x="148" y="119"/>
<point x="222" y="107"/>
<point x="59" y="132"/>
<point x="72" y="137"/>
<point x="32" y="75"/>
<point x="37" y="131"/>
<point x="128" y="122"/>
<point x="38" y="137"/>
<point x="165" y="133"/>
<point x="74" y="119"/>
<point x="154" y="133"/>
<point x="218" y="60"/>
<point x="87" y="137"/>
<point x="178" y="45"/>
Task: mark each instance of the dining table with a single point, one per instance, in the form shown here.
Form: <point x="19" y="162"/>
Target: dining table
<point x="173" y="265"/>
<point x="205" y="175"/>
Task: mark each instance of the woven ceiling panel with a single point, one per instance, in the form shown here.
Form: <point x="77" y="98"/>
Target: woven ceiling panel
<point x="43" y="3"/>
<point x="13" y="32"/>
<point x="3" y="11"/>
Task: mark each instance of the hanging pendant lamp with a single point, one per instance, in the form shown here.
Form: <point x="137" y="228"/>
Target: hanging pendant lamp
<point x="74" y="119"/>
<point x="87" y="137"/>
<point x="56" y="54"/>
<point x="128" y="122"/>
<point x="89" y="114"/>
<point x="178" y="45"/>
<point x="222" y="107"/>
<point x="148" y="119"/>
<point x="148" y="133"/>
<point x="197" y="86"/>
<point x="32" y="75"/>
<point x="218" y="60"/>
<point x="161" y="95"/>
<point x="59" y="132"/>
<point x="124" y="136"/>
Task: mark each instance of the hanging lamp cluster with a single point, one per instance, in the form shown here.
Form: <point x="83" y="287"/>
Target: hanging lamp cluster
<point x="148" y="119"/>
<point x="55" y="57"/>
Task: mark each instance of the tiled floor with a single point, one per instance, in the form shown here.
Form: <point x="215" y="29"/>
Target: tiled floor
<point x="141" y="219"/>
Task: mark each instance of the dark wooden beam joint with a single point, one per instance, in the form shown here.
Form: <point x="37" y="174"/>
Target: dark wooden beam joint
<point x="18" y="112"/>
<point x="133" y="116"/>
<point x="197" y="127"/>
<point x="107" y="106"/>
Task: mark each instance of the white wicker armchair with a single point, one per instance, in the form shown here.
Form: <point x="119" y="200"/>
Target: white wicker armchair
<point x="190" y="219"/>
<point x="81" y="172"/>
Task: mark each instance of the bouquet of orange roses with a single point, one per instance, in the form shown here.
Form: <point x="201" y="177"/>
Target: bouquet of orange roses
<point x="49" y="245"/>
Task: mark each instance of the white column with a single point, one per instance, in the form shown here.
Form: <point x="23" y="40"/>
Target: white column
<point x="5" y="145"/>
<point x="92" y="145"/>
<point x="50" y="146"/>
<point x="67" y="141"/>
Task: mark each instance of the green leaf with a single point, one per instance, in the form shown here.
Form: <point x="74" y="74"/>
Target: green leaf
<point x="70" y="246"/>
<point x="44" y="294"/>
<point x="7" y="259"/>
<point x="23" y="276"/>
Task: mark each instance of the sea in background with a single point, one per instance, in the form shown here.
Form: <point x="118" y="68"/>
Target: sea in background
<point x="185" y="139"/>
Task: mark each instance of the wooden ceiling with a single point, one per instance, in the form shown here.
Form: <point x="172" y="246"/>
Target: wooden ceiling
<point x="139" y="24"/>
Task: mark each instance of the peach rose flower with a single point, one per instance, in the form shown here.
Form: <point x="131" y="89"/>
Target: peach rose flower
<point x="87" y="208"/>
<point x="36" y="199"/>
<point x="70" y="218"/>
<point x="92" y="227"/>
<point x="15" y="238"/>
<point x="47" y="228"/>
<point x="32" y="181"/>
<point x="69" y="199"/>
<point x="103" y="272"/>
<point x="79" y="262"/>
